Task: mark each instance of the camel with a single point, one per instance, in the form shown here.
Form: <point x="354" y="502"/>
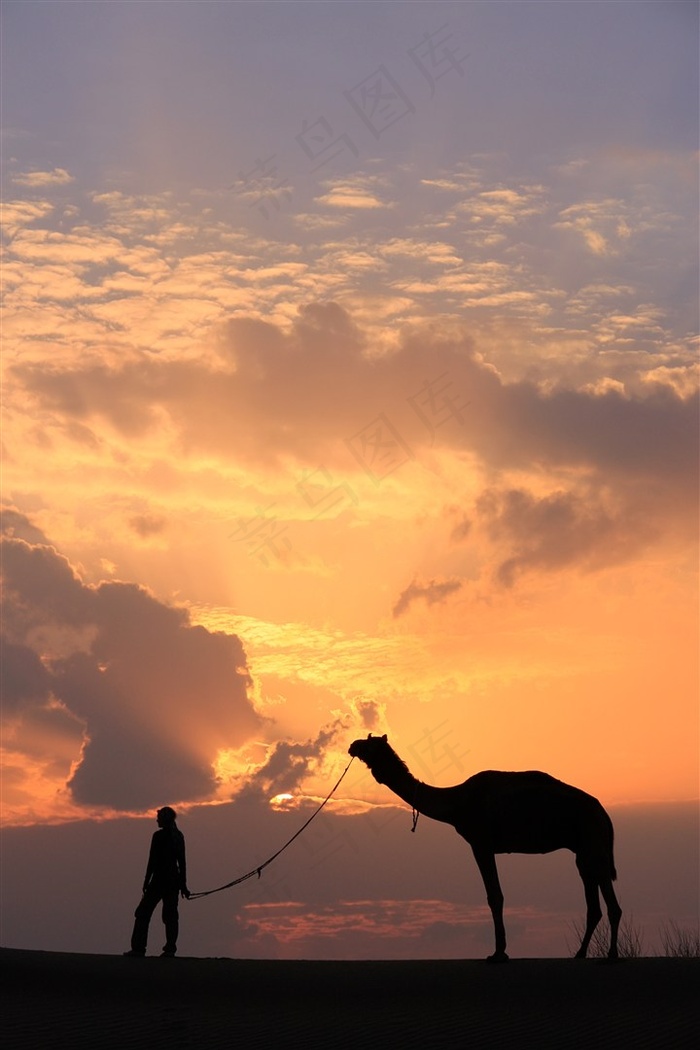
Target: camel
<point x="502" y="812"/>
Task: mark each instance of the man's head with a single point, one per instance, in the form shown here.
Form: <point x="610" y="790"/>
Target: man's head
<point x="166" y="816"/>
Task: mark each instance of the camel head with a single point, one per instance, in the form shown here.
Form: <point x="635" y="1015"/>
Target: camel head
<point x="375" y="752"/>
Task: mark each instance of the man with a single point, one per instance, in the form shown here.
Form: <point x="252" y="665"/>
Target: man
<point x="166" y="879"/>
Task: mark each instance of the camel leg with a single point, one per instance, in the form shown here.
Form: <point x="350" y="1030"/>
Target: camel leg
<point x="494" y="895"/>
<point x="593" y="912"/>
<point x="614" y="914"/>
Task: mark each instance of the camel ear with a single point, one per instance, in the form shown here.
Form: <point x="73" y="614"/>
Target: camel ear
<point x="384" y="738"/>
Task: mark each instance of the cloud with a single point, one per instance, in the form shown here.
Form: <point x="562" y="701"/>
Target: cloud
<point x="290" y="762"/>
<point x="83" y="245"/>
<point x="156" y="696"/>
<point x="33" y="179"/>
<point x="146" y="525"/>
<point x="504" y="207"/>
<point x="435" y="253"/>
<point x="145" y="270"/>
<point x="305" y="391"/>
<point x="562" y="529"/>
<point x="461" y="530"/>
<point x="15" y="524"/>
<point x="16" y="214"/>
<point x="432" y="592"/>
<point x="602" y="224"/>
<point x="355" y="193"/>
<point x="322" y="394"/>
<point x="25" y="680"/>
<point x="402" y="926"/>
<point x="369" y="712"/>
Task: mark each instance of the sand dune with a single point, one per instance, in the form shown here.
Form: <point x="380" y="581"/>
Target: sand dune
<point x="55" y="1000"/>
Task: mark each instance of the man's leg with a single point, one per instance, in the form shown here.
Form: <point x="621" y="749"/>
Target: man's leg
<point x="142" y="917"/>
<point x="171" y="921"/>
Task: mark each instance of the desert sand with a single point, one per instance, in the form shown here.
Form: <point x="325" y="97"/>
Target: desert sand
<point x="53" y="1000"/>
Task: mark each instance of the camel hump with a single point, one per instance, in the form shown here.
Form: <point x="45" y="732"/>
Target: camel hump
<point x="507" y="781"/>
<point x="531" y="789"/>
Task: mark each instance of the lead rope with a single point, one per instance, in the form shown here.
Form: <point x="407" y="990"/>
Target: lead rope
<point x="258" y="871"/>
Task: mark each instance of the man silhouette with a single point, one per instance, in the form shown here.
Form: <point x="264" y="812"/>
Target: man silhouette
<point x="166" y="879"/>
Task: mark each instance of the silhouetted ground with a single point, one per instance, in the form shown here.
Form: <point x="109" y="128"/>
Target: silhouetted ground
<point x="54" y="1001"/>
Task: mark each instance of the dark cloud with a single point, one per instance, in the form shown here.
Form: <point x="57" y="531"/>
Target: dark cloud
<point x="156" y="695"/>
<point x="42" y="590"/>
<point x="25" y="680"/>
<point x="560" y="530"/>
<point x="270" y="394"/>
<point x="461" y="530"/>
<point x="82" y="435"/>
<point x="320" y="394"/>
<point x="290" y="762"/>
<point x="631" y="437"/>
<point x="35" y="723"/>
<point x="146" y="525"/>
<point x="432" y="592"/>
<point x="14" y="523"/>
<point x="368" y="711"/>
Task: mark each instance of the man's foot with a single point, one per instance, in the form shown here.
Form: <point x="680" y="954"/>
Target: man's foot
<point x="134" y="954"/>
<point x="167" y="954"/>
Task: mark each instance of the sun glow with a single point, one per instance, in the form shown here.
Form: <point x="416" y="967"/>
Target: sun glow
<point x="232" y="765"/>
<point x="281" y="801"/>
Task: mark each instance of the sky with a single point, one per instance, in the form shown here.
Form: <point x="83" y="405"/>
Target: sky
<point x="349" y="385"/>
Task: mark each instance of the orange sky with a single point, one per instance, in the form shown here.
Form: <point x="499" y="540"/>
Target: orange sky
<point x="515" y="566"/>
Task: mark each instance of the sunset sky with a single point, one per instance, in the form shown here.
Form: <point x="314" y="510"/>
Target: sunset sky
<point x="350" y="385"/>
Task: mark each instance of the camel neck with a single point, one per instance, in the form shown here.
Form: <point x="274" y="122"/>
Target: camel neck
<point x="424" y="798"/>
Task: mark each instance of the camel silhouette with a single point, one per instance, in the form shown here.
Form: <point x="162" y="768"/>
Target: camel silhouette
<point x="499" y="812"/>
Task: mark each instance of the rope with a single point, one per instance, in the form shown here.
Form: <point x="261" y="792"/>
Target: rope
<point x="259" y="870"/>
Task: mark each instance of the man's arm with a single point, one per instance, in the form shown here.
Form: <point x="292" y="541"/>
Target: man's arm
<point x="182" y="865"/>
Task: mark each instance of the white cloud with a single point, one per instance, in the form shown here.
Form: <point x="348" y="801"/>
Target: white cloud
<point x="16" y="214"/>
<point x="358" y="192"/>
<point x="602" y="224"/>
<point x="34" y="179"/>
